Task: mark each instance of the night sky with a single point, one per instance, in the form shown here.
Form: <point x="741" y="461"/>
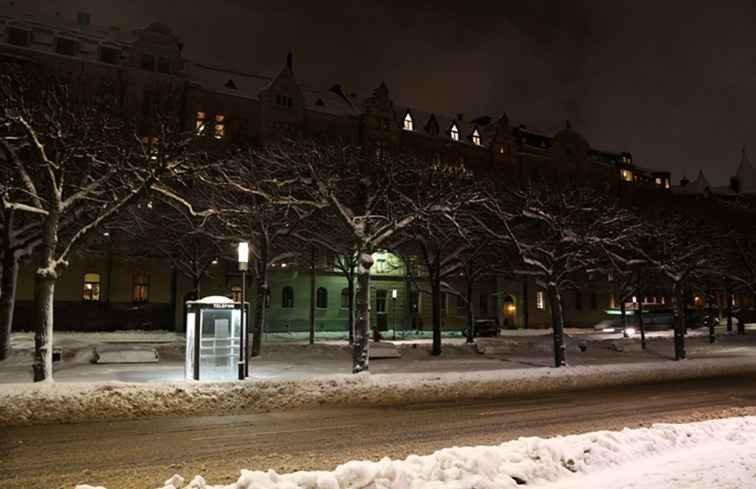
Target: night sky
<point x="673" y="82"/>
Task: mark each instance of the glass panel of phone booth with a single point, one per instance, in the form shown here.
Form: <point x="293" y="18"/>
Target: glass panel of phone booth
<point x="219" y="344"/>
<point x="189" y="364"/>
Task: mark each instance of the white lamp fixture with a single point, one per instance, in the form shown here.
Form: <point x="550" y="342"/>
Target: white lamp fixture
<point x="243" y="256"/>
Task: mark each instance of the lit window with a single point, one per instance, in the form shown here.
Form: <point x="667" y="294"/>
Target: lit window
<point x="321" y="298"/>
<point x="627" y="175"/>
<point x="380" y="301"/>
<point x="345" y="298"/>
<point x="476" y="137"/>
<point x="219" y="131"/>
<point x="200" y="123"/>
<point x="91" y="290"/>
<point x="659" y="181"/>
<point x="667" y="185"/>
<point x="540" y="300"/>
<point x="287" y="298"/>
<point x="236" y="294"/>
<point x="141" y="288"/>
<point x="408" y="123"/>
<point x="454" y="133"/>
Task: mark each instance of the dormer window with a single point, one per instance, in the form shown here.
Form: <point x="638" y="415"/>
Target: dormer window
<point x="200" y="124"/>
<point x="109" y="55"/>
<point x="219" y="129"/>
<point x="454" y="133"/>
<point x="409" y="124"/>
<point x="17" y="36"/>
<point x="67" y="47"/>
<point x="476" y="137"/>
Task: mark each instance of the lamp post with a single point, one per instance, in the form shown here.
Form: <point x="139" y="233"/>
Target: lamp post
<point x="393" y="312"/>
<point x="243" y="267"/>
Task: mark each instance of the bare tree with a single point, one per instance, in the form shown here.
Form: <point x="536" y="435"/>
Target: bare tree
<point x="556" y="233"/>
<point x="78" y="164"/>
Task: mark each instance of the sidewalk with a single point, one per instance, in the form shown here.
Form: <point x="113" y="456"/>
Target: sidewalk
<point x="303" y="376"/>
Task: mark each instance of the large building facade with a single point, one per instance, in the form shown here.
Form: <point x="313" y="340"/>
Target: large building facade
<point x="114" y="291"/>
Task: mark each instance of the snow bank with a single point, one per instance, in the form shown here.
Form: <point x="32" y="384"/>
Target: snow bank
<point x="526" y="461"/>
<point x="78" y="402"/>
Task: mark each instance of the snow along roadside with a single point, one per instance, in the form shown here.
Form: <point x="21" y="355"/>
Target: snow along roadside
<point x="78" y="402"/>
<point x="601" y="457"/>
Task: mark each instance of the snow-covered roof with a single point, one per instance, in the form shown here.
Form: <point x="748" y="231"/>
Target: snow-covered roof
<point x="227" y="82"/>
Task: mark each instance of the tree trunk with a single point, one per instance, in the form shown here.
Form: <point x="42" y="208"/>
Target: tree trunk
<point x="436" y="306"/>
<point x="728" y="309"/>
<point x="557" y="320"/>
<point x="469" y="318"/>
<point x="360" y="352"/>
<point x="623" y="316"/>
<point x="313" y="279"/>
<point x="641" y="323"/>
<point x="261" y="294"/>
<point x="350" y="305"/>
<point x="7" y="301"/>
<point x="680" y="324"/>
<point x="44" y="297"/>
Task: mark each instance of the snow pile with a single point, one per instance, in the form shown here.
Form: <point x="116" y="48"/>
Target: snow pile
<point x="78" y="402"/>
<point x="526" y="461"/>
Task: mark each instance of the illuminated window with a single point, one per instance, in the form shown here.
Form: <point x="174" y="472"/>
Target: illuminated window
<point x="321" y="298"/>
<point x="91" y="290"/>
<point x="200" y="123"/>
<point x="141" y="289"/>
<point x="219" y="130"/>
<point x="612" y="302"/>
<point x="409" y="124"/>
<point x="236" y="294"/>
<point x="659" y="181"/>
<point x="287" y="298"/>
<point x="454" y="133"/>
<point x="667" y="185"/>
<point x="627" y="175"/>
<point x="540" y="300"/>
<point x="476" y="137"/>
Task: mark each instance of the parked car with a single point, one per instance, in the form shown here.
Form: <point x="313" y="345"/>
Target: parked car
<point x="484" y="327"/>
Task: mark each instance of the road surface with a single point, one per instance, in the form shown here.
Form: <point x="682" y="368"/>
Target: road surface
<point x="144" y="453"/>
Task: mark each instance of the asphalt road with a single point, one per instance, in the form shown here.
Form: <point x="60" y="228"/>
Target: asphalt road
<point x="144" y="453"/>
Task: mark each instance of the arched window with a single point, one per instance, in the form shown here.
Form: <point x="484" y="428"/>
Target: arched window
<point x="409" y="124"/>
<point x="476" y="137"/>
<point x="454" y="132"/>
<point x="321" y="298"/>
<point x="287" y="297"/>
<point x="345" y="298"/>
<point x="141" y="290"/>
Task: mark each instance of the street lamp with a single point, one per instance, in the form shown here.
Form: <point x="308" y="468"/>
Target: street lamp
<point x="243" y="267"/>
<point x="393" y="311"/>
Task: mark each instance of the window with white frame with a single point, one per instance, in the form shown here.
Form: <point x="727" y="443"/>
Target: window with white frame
<point x="540" y="300"/>
<point x="454" y="132"/>
<point x="409" y="124"/>
<point x="476" y="137"/>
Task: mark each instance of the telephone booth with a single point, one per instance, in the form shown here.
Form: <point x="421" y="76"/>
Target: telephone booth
<point x="214" y="338"/>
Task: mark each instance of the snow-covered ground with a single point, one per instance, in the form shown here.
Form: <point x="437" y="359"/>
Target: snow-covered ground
<point x="79" y="402"/>
<point x="717" y="454"/>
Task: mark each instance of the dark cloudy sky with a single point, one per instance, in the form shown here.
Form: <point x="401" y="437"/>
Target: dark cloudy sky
<point x="673" y="82"/>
